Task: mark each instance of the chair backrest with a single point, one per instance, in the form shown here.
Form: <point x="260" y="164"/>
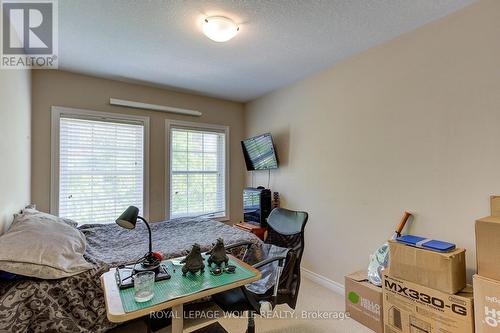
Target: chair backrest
<point x="286" y="229"/>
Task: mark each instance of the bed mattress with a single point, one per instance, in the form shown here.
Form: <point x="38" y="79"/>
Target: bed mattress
<point x="76" y="304"/>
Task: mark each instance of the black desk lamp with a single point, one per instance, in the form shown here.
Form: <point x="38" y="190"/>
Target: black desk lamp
<point x="128" y="220"/>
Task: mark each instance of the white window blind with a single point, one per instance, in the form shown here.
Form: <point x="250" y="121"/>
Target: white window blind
<point x="101" y="169"/>
<point x="197" y="172"/>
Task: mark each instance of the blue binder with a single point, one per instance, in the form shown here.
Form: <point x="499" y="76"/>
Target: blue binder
<point x="426" y="243"/>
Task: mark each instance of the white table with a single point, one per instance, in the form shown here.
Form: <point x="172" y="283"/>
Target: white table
<point x="116" y="314"/>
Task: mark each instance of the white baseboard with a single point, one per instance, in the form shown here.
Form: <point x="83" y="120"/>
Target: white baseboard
<point x="324" y="282"/>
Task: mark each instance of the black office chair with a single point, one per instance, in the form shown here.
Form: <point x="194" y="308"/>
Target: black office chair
<point x="285" y="229"/>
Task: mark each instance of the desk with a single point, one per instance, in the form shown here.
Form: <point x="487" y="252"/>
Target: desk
<point x="252" y="228"/>
<point x="116" y="314"/>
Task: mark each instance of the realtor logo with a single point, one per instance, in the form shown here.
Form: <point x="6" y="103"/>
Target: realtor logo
<point x="29" y="34"/>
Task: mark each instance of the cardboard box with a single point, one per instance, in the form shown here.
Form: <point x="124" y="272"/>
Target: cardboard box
<point x="363" y="301"/>
<point x="488" y="247"/>
<point x="495" y="205"/>
<point x="412" y="308"/>
<point x="441" y="271"/>
<point x="487" y="304"/>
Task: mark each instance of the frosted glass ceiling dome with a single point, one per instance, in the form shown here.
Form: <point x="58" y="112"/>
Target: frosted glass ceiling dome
<point x="220" y="28"/>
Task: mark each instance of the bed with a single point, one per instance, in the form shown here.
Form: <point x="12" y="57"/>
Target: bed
<point x="76" y="303"/>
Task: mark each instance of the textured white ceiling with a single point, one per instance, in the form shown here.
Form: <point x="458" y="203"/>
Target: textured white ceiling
<point x="160" y="42"/>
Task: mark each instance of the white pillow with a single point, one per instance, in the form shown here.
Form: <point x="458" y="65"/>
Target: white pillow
<point x="42" y="246"/>
<point x="31" y="210"/>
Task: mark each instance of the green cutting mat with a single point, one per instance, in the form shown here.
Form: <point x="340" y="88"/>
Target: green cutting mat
<point x="179" y="286"/>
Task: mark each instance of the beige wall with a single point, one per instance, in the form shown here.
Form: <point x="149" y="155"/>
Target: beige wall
<point x="15" y="124"/>
<point x="59" y="88"/>
<point x="413" y="124"/>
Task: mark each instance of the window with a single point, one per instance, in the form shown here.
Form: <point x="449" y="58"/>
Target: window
<point x="100" y="166"/>
<point x="198" y="170"/>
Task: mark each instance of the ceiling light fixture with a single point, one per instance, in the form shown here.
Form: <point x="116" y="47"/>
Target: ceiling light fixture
<point x="220" y="28"/>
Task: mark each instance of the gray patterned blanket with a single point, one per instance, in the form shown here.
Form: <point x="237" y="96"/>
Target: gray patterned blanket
<point x="76" y="304"/>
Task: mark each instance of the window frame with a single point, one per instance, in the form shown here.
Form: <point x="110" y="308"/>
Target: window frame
<point x="65" y="112"/>
<point x="169" y="124"/>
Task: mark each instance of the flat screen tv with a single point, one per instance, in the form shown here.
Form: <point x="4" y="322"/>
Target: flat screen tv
<point x="259" y="153"/>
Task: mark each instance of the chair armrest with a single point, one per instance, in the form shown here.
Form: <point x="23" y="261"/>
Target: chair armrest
<point x="248" y="244"/>
<point x="268" y="261"/>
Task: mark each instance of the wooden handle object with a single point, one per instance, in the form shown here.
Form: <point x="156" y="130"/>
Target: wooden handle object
<point x="402" y="223"/>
